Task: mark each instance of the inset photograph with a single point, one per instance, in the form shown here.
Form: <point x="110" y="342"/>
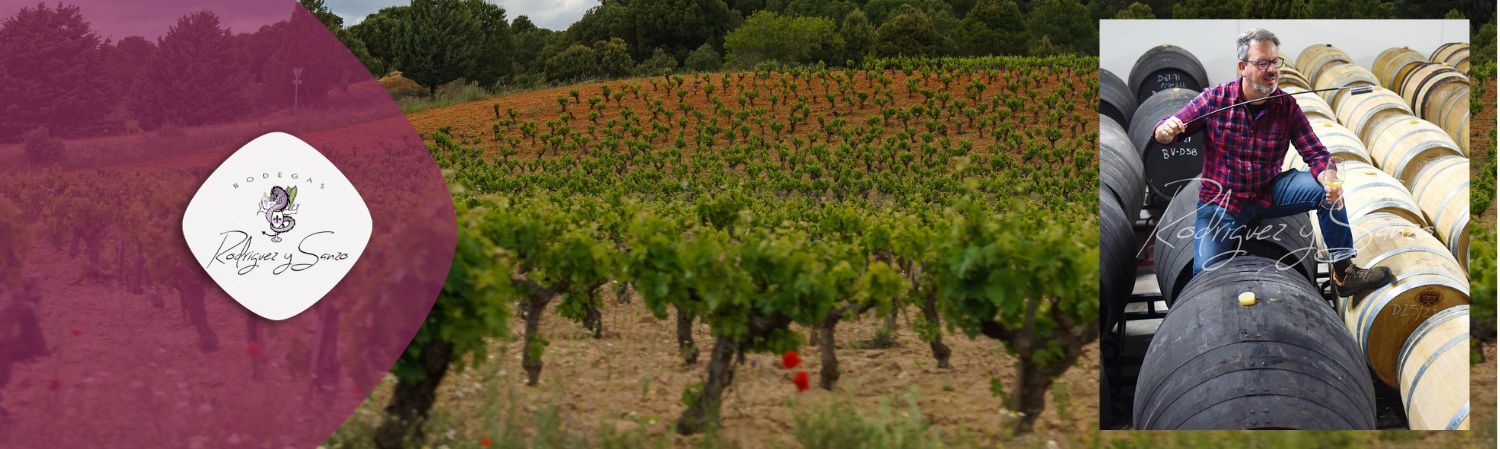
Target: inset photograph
<point x="1284" y="223"/>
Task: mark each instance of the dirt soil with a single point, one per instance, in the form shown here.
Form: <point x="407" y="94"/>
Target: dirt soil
<point x="634" y="378"/>
<point x="476" y="120"/>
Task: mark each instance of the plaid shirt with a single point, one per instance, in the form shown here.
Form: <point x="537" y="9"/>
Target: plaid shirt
<point x="1242" y="154"/>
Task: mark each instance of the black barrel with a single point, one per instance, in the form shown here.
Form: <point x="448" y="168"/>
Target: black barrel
<point x="1120" y="168"/>
<point x="1165" y="67"/>
<point x="1116" y="261"/>
<point x="1166" y="165"/>
<point x="1284" y="362"/>
<point x="1116" y="100"/>
<point x="1287" y="240"/>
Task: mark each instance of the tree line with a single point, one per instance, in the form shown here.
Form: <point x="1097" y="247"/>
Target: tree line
<point x="434" y="42"/>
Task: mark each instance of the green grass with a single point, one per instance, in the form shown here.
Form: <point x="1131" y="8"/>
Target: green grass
<point x="447" y="95"/>
<point x="898" y="423"/>
<point x="834" y="427"/>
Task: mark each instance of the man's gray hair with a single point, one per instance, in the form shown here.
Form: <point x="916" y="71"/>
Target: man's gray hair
<point x="1242" y="45"/>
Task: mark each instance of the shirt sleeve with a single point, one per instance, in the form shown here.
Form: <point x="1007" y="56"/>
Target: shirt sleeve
<point x="1201" y="104"/>
<point x="1313" y="152"/>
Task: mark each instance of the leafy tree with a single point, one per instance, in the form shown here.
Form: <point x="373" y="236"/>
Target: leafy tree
<point x="1349" y="9"/>
<point x="881" y="11"/>
<point x="1483" y="45"/>
<point x="40" y="147"/>
<point x="438" y="43"/>
<point x="704" y="59"/>
<point x="470" y="310"/>
<point x="609" y="19"/>
<point x="194" y="77"/>
<point x="1136" y="10"/>
<point x="496" y="47"/>
<point x="1477" y="12"/>
<point x="908" y="34"/>
<point x="319" y="9"/>
<point x="295" y="44"/>
<point x="1064" y="23"/>
<point x="859" y="36"/>
<point x="125" y="61"/>
<point x="613" y="57"/>
<point x="992" y="27"/>
<point x="335" y="24"/>
<point x="374" y="65"/>
<point x="676" y="25"/>
<point x="1482" y="274"/>
<point x="830" y="9"/>
<point x="1209" y="9"/>
<point x="961" y="7"/>
<point x="1300" y="10"/>
<point x="1106" y="9"/>
<point x="1272" y="9"/>
<point x="49" y="74"/>
<point x="1043" y="321"/>
<point x="747" y="7"/>
<point x="768" y="36"/>
<point x="1043" y="47"/>
<point x="378" y="33"/>
<point x="530" y="45"/>
<point x="660" y="63"/>
<point x="575" y="63"/>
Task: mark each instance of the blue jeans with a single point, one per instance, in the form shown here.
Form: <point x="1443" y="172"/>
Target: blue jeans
<point x="1219" y="233"/>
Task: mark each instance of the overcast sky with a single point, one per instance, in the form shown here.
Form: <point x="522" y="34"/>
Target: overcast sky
<point x="550" y="14"/>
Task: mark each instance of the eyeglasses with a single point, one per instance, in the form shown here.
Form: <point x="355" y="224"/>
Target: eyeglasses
<point x="1279" y="62"/>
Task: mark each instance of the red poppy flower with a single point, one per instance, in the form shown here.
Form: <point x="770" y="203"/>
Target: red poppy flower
<point x="54" y="385"/>
<point x="800" y="380"/>
<point x="253" y="349"/>
<point x="75" y="332"/>
<point x="790" y="360"/>
<point x="484" y="442"/>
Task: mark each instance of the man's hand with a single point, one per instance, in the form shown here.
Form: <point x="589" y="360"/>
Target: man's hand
<point x="1169" y="130"/>
<point x="1333" y="187"/>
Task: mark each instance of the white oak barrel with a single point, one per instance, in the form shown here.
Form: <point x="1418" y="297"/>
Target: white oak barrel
<point x="1341" y="143"/>
<point x="1440" y="94"/>
<point x="1442" y="191"/>
<point x="1428" y="281"/>
<point x="1290" y="76"/>
<point x="1391" y="64"/>
<point x="1452" y="114"/>
<point x="1360" y="113"/>
<point x="1434" y="372"/>
<point x="1454" y="54"/>
<point x="1343" y="75"/>
<point x="1369" y="190"/>
<point x="1311" y="105"/>
<point x="1402" y="147"/>
<point x="1318" y="57"/>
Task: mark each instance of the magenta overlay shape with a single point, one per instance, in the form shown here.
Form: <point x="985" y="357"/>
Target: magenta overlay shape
<point x="112" y="114"/>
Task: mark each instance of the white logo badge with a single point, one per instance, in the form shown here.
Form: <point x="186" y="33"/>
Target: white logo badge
<point x="277" y="226"/>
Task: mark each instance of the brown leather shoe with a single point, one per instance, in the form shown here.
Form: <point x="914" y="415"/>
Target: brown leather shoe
<point x="1351" y="281"/>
